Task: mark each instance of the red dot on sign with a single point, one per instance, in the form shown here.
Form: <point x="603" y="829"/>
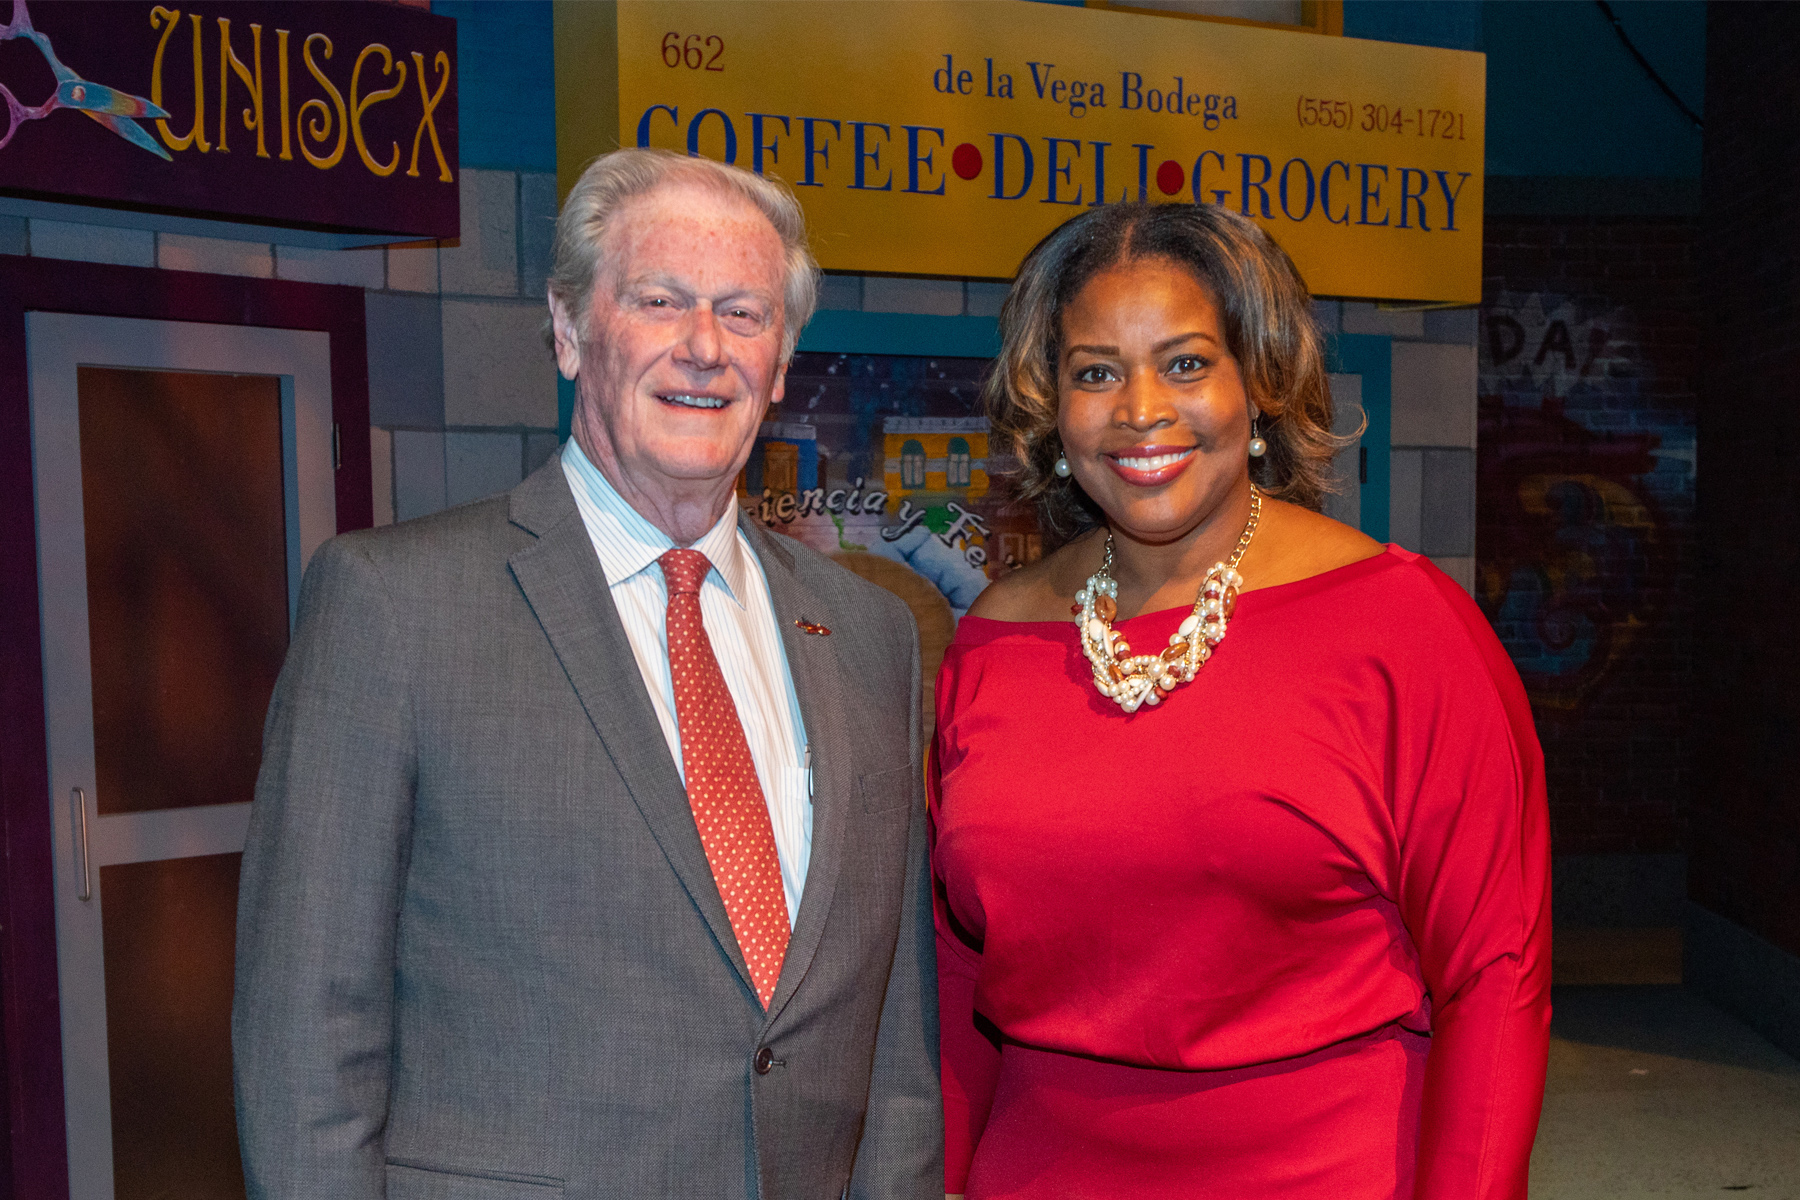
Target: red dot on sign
<point x="1170" y="177"/>
<point x="965" y="160"/>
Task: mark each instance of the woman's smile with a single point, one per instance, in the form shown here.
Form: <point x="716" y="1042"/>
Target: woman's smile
<point x="1150" y="466"/>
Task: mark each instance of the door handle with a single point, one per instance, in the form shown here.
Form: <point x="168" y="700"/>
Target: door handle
<point x="78" y="821"/>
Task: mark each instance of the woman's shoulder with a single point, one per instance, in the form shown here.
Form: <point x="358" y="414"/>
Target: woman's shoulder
<point x="1293" y="544"/>
<point x="1345" y="578"/>
<point x="1399" y="608"/>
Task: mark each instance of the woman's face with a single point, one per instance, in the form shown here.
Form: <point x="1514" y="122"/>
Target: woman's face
<point x="1152" y="408"/>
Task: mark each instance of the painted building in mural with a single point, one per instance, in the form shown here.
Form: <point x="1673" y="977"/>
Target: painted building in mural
<point x="936" y="459"/>
<point x="935" y="470"/>
<point x="785" y="459"/>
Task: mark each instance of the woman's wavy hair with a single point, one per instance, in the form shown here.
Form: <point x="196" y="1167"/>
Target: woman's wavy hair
<point x="1269" y="329"/>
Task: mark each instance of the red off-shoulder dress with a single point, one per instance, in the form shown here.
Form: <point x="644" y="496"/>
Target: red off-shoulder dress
<point x="1285" y="936"/>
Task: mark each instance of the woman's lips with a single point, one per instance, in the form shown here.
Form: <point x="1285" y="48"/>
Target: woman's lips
<point x="1149" y="466"/>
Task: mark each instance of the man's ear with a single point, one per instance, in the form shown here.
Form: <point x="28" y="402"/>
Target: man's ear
<point x="566" y="339"/>
<point x="780" y="388"/>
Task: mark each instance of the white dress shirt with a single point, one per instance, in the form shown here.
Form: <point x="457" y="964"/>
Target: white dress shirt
<point x="740" y="623"/>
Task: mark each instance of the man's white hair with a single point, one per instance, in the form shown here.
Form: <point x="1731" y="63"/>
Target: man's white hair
<point x="613" y="180"/>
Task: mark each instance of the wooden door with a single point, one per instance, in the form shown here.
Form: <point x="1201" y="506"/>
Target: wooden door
<point x="183" y="474"/>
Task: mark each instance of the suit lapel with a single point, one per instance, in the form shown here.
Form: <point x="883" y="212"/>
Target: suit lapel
<point x="818" y="682"/>
<point x="562" y="581"/>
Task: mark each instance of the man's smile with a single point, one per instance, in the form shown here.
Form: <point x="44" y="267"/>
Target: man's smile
<point x="693" y="400"/>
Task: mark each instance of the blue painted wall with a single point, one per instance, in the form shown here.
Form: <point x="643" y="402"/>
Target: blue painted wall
<point x="506" y="57"/>
<point x="1449" y="24"/>
<point x="1564" y="95"/>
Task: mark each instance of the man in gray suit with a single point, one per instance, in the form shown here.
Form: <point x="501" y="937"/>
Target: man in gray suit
<point x="587" y="858"/>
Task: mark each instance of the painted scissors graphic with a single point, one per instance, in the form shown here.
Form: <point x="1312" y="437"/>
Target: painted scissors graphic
<point x="109" y="106"/>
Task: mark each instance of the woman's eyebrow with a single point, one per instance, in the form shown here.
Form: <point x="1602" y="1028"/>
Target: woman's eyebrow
<point x="1179" y="338"/>
<point x="1170" y="343"/>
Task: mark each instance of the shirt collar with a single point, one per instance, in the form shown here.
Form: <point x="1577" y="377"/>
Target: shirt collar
<point x="627" y="543"/>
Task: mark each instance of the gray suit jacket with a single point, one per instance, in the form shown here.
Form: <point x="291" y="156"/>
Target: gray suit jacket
<point x="480" y="951"/>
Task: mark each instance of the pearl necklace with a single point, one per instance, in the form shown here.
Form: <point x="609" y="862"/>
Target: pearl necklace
<point x="1132" y="681"/>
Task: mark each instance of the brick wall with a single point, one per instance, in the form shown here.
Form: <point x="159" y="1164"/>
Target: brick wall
<point x="1586" y="531"/>
<point x="1746" y="814"/>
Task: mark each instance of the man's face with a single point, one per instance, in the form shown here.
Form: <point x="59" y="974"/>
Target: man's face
<point x="682" y="349"/>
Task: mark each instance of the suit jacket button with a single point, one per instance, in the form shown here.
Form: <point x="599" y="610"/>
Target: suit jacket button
<point x="764" y="1059"/>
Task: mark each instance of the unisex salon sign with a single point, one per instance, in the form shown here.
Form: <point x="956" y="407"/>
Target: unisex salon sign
<point x="946" y="138"/>
<point x="336" y="116"/>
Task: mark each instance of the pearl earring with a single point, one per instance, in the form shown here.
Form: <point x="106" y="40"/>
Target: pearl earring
<point x="1062" y="468"/>
<point x="1258" y="447"/>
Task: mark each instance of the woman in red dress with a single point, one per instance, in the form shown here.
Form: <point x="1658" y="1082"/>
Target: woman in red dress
<point x="1237" y="897"/>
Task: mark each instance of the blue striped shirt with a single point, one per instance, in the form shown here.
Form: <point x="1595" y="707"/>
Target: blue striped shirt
<point x="740" y="623"/>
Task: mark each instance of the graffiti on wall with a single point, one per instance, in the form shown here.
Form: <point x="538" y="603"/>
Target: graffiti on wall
<point x="1579" y="472"/>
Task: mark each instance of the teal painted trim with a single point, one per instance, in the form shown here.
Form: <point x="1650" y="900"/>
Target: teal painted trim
<point x="1371" y="357"/>
<point x="838" y="332"/>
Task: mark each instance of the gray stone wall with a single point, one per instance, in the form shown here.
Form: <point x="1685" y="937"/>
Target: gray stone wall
<point x="1432" y="408"/>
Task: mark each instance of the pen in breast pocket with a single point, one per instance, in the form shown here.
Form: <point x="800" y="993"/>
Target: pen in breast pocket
<point x="806" y="766"/>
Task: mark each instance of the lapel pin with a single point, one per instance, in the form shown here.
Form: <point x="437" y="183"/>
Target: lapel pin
<point x="805" y="626"/>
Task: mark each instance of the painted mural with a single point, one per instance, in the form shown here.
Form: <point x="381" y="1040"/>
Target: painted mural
<point x="888" y="457"/>
<point x="884" y="463"/>
<point x="1580" y="474"/>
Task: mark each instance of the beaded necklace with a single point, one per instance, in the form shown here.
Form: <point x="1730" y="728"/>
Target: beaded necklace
<point x="1132" y="681"/>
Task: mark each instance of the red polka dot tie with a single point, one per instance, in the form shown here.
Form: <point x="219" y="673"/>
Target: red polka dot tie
<point x="728" y="804"/>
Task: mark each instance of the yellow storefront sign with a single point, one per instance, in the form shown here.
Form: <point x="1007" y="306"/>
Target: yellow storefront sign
<point x="940" y="138"/>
